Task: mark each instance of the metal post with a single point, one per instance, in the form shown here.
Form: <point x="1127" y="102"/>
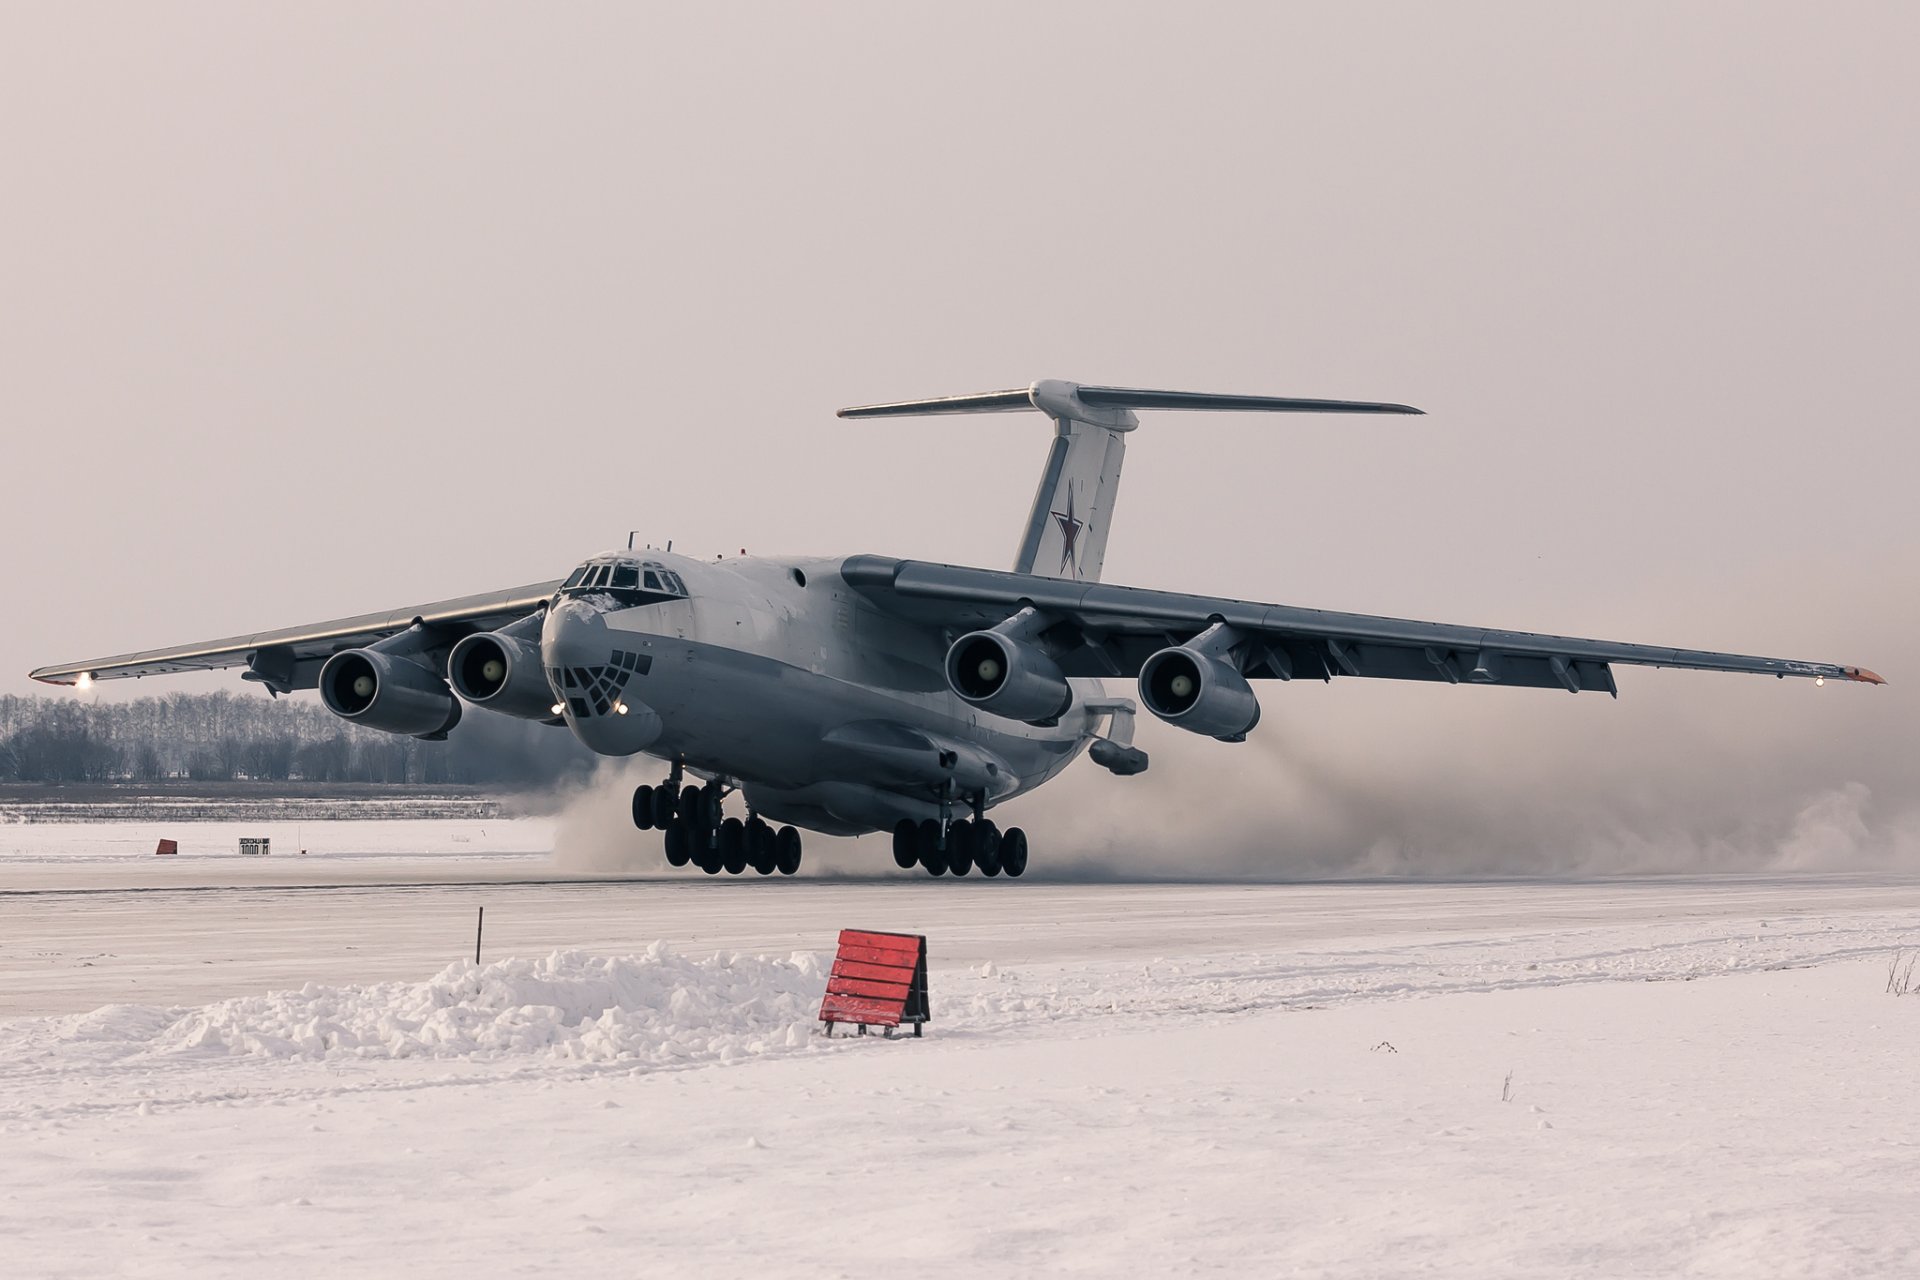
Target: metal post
<point x="479" y="926"/>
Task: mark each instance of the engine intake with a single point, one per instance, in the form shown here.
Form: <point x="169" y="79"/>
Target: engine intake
<point x="1008" y="677"/>
<point x="390" y="694"/>
<point x="501" y="673"/>
<point x="1196" y="691"/>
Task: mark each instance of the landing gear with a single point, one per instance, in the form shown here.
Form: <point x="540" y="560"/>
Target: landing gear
<point x="786" y="851"/>
<point x="930" y="847"/>
<point x="960" y="847"/>
<point x="906" y="843"/>
<point x="679" y="844"/>
<point x="760" y="839"/>
<point x="965" y="844"/>
<point x="1013" y="852"/>
<point x="986" y="846"/>
<point x="733" y="846"/>
<point x="698" y="832"/>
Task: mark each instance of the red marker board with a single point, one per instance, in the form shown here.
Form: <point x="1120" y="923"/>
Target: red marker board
<point x="878" y="980"/>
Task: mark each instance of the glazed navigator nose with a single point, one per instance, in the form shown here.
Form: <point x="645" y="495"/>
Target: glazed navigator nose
<point x="589" y="666"/>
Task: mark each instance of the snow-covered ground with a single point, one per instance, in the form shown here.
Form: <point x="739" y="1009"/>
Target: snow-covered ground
<point x="217" y="1074"/>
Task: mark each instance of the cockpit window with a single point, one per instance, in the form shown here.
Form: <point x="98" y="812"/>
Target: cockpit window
<point x="629" y="582"/>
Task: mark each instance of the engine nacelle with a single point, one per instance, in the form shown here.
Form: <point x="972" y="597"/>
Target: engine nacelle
<point x="501" y="673"/>
<point x="1197" y="692"/>
<point x="391" y="694"/>
<point x="1007" y="677"/>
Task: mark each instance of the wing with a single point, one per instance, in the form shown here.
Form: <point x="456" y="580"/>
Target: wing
<point x="1104" y="630"/>
<point x="291" y="658"/>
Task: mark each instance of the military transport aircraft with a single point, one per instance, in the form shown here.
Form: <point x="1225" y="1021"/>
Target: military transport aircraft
<point x="864" y="693"/>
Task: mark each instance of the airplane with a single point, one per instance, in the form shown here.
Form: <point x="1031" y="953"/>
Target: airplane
<point x="862" y="693"/>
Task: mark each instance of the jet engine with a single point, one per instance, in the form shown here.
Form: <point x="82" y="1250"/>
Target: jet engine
<point x="501" y="672"/>
<point x="391" y="694"/>
<point x="1193" y="688"/>
<point x="1003" y="674"/>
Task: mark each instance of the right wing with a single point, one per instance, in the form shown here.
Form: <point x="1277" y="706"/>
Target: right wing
<point x="1107" y="630"/>
<point x="291" y="658"/>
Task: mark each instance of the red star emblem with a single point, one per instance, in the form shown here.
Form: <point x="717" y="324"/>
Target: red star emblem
<point x="1070" y="528"/>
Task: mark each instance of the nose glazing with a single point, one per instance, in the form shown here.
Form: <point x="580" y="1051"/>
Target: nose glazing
<point x="589" y="667"/>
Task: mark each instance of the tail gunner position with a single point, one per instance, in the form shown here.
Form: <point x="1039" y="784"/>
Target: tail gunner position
<point x="871" y="694"/>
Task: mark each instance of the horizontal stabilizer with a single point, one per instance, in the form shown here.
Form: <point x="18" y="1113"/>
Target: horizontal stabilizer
<point x="1060" y="398"/>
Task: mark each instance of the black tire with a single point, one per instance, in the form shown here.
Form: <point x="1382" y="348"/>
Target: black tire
<point x="986" y="847"/>
<point x="927" y="848"/>
<point x="643" y="808"/>
<point x="733" y="846"/>
<point x="1013" y="852"/>
<point x="760" y="847"/>
<point x="705" y="855"/>
<point x="786" y="850"/>
<point x="689" y="807"/>
<point x="906" y="843"/>
<point x="679" y="844"/>
<point x="960" y="847"/>
<point x="664" y="806"/>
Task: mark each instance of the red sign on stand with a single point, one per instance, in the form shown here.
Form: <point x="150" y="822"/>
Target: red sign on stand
<point x="878" y="980"/>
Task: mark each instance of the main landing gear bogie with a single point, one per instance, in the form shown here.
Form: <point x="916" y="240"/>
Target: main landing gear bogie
<point x="965" y="844"/>
<point x="696" y="831"/>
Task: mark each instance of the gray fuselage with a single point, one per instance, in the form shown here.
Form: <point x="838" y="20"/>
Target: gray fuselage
<point x="776" y="676"/>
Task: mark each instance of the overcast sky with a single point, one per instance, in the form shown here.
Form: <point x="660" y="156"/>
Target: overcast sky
<point x="305" y="314"/>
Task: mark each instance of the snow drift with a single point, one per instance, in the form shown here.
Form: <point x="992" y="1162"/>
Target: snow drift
<point x="652" y="1008"/>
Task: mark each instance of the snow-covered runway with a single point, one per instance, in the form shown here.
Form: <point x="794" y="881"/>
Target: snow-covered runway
<point x="1671" y="1076"/>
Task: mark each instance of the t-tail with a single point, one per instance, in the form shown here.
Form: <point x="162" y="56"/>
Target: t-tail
<point x="1066" y="532"/>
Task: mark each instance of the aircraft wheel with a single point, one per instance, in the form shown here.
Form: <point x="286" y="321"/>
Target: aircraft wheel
<point x="960" y="847"/>
<point x="643" y="808"/>
<point x="663" y="806"/>
<point x="906" y="843"/>
<point x="705" y="855"/>
<point x="927" y="847"/>
<point x="786" y="850"/>
<point x="689" y="806"/>
<point x="679" y="845"/>
<point x="986" y="847"/>
<point x="1013" y="852"/>
<point x="733" y="846"/>
<point x="760" y="841"/>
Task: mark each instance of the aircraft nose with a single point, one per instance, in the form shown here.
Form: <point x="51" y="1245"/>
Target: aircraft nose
<point x="590" y="666"/>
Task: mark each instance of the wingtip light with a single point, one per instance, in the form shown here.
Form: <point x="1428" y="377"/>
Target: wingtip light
<point x="84" y="682"/>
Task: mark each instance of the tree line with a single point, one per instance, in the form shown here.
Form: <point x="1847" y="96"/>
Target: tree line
<point x="224" y="737"/>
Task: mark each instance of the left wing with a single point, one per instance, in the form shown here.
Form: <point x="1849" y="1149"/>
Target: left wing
<point x="291" y="658"/>
<point x="1099" y="629"/>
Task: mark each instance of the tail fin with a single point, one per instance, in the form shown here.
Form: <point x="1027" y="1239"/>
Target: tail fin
<point x="1066" y="533"/>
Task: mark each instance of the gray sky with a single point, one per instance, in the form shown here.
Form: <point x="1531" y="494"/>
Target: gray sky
<point x="312" y="313"/>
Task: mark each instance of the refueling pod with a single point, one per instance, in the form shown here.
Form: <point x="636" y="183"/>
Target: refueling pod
<point x="1195" y="686"/>
<point x="389" y="693"/>
<point x="1005" y="672"/>
<point x="501" y="671"/>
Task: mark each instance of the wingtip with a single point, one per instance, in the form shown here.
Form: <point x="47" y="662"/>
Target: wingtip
<point x="1865" y="676"/>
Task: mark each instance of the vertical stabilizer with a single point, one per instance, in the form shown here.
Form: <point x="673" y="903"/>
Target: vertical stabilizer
<point x="1066" y="533"/>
